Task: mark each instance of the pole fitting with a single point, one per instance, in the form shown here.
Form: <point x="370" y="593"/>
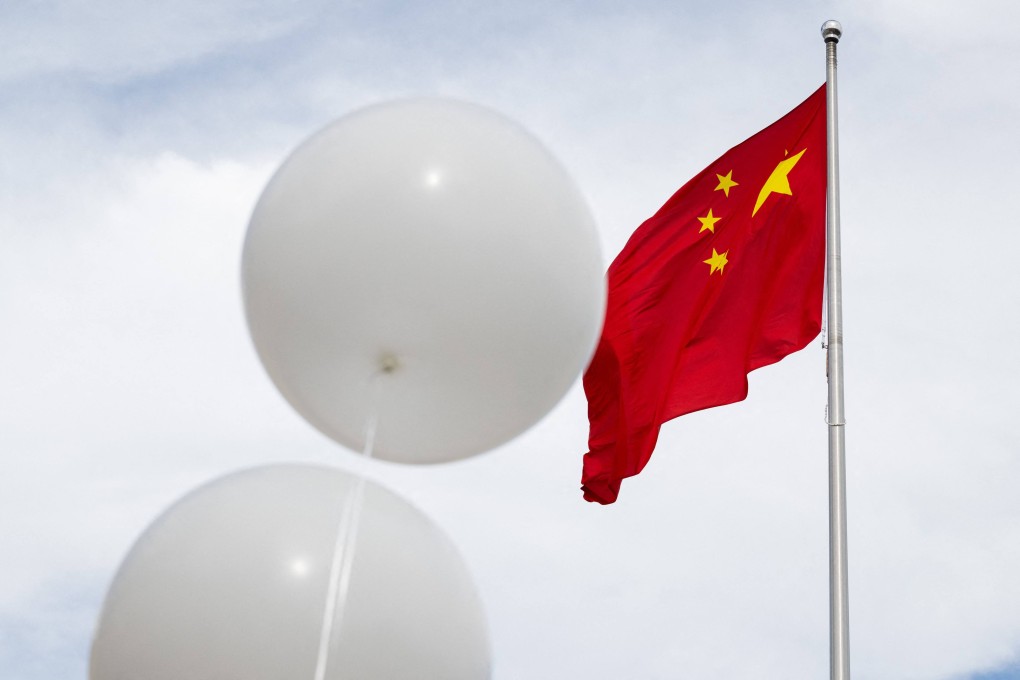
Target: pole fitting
<point x="832" y="31"/>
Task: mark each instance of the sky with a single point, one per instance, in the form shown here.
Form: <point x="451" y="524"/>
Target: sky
<point x="136" y="137"/>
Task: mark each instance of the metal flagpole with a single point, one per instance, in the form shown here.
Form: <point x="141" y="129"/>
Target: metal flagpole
<point x="839" y="620"/>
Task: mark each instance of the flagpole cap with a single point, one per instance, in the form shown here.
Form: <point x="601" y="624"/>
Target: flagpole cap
<point x="831" y="31"/>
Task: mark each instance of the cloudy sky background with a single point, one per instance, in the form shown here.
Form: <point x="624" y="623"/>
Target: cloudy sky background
<point x="136" y="137"/>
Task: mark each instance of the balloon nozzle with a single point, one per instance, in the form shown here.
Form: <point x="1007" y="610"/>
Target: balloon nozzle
<point x="388" y="363"/>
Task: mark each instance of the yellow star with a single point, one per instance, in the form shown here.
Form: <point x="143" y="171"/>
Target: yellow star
<point x="716" y="262"/>
<point x="708" y="222"/>
<point x="779" y="181"/>
<point x="725" y="182"/>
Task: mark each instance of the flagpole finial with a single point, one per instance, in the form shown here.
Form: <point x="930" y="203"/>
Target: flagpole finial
<point x="831" y="31"/>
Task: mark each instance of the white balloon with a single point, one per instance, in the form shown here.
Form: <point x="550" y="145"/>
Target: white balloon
<point x="231" y="582"/>
<point x="435" y="243"/>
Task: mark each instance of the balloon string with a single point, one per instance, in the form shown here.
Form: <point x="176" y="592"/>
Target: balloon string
<point x="345" y="547"/>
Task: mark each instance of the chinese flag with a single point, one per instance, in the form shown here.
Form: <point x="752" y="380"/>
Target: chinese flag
<point x="725" y="278"/>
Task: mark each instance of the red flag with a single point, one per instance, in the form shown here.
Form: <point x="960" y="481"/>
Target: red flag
<point x="725" y="278"/>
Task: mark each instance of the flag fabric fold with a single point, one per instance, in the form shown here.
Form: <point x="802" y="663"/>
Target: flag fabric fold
<point x="725" y="278"/>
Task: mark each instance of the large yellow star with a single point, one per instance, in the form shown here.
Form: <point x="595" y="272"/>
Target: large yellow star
<point x="779" y="181"/>
<point x="716" y="262"/>
<point x="725" y="183"/>
<point x="708" y="222"/>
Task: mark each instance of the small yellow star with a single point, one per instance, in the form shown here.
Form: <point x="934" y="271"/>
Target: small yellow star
<point x="725" y="183"/>
<point x="708" y="222"/>
<point x="716" y="262"/>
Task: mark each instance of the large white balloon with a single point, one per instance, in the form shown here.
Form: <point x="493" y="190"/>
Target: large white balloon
<point x="232" y="581"/>
<point x="438" y="246"/>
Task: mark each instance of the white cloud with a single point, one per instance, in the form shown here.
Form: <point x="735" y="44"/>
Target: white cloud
<point x="112" y="42"/>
